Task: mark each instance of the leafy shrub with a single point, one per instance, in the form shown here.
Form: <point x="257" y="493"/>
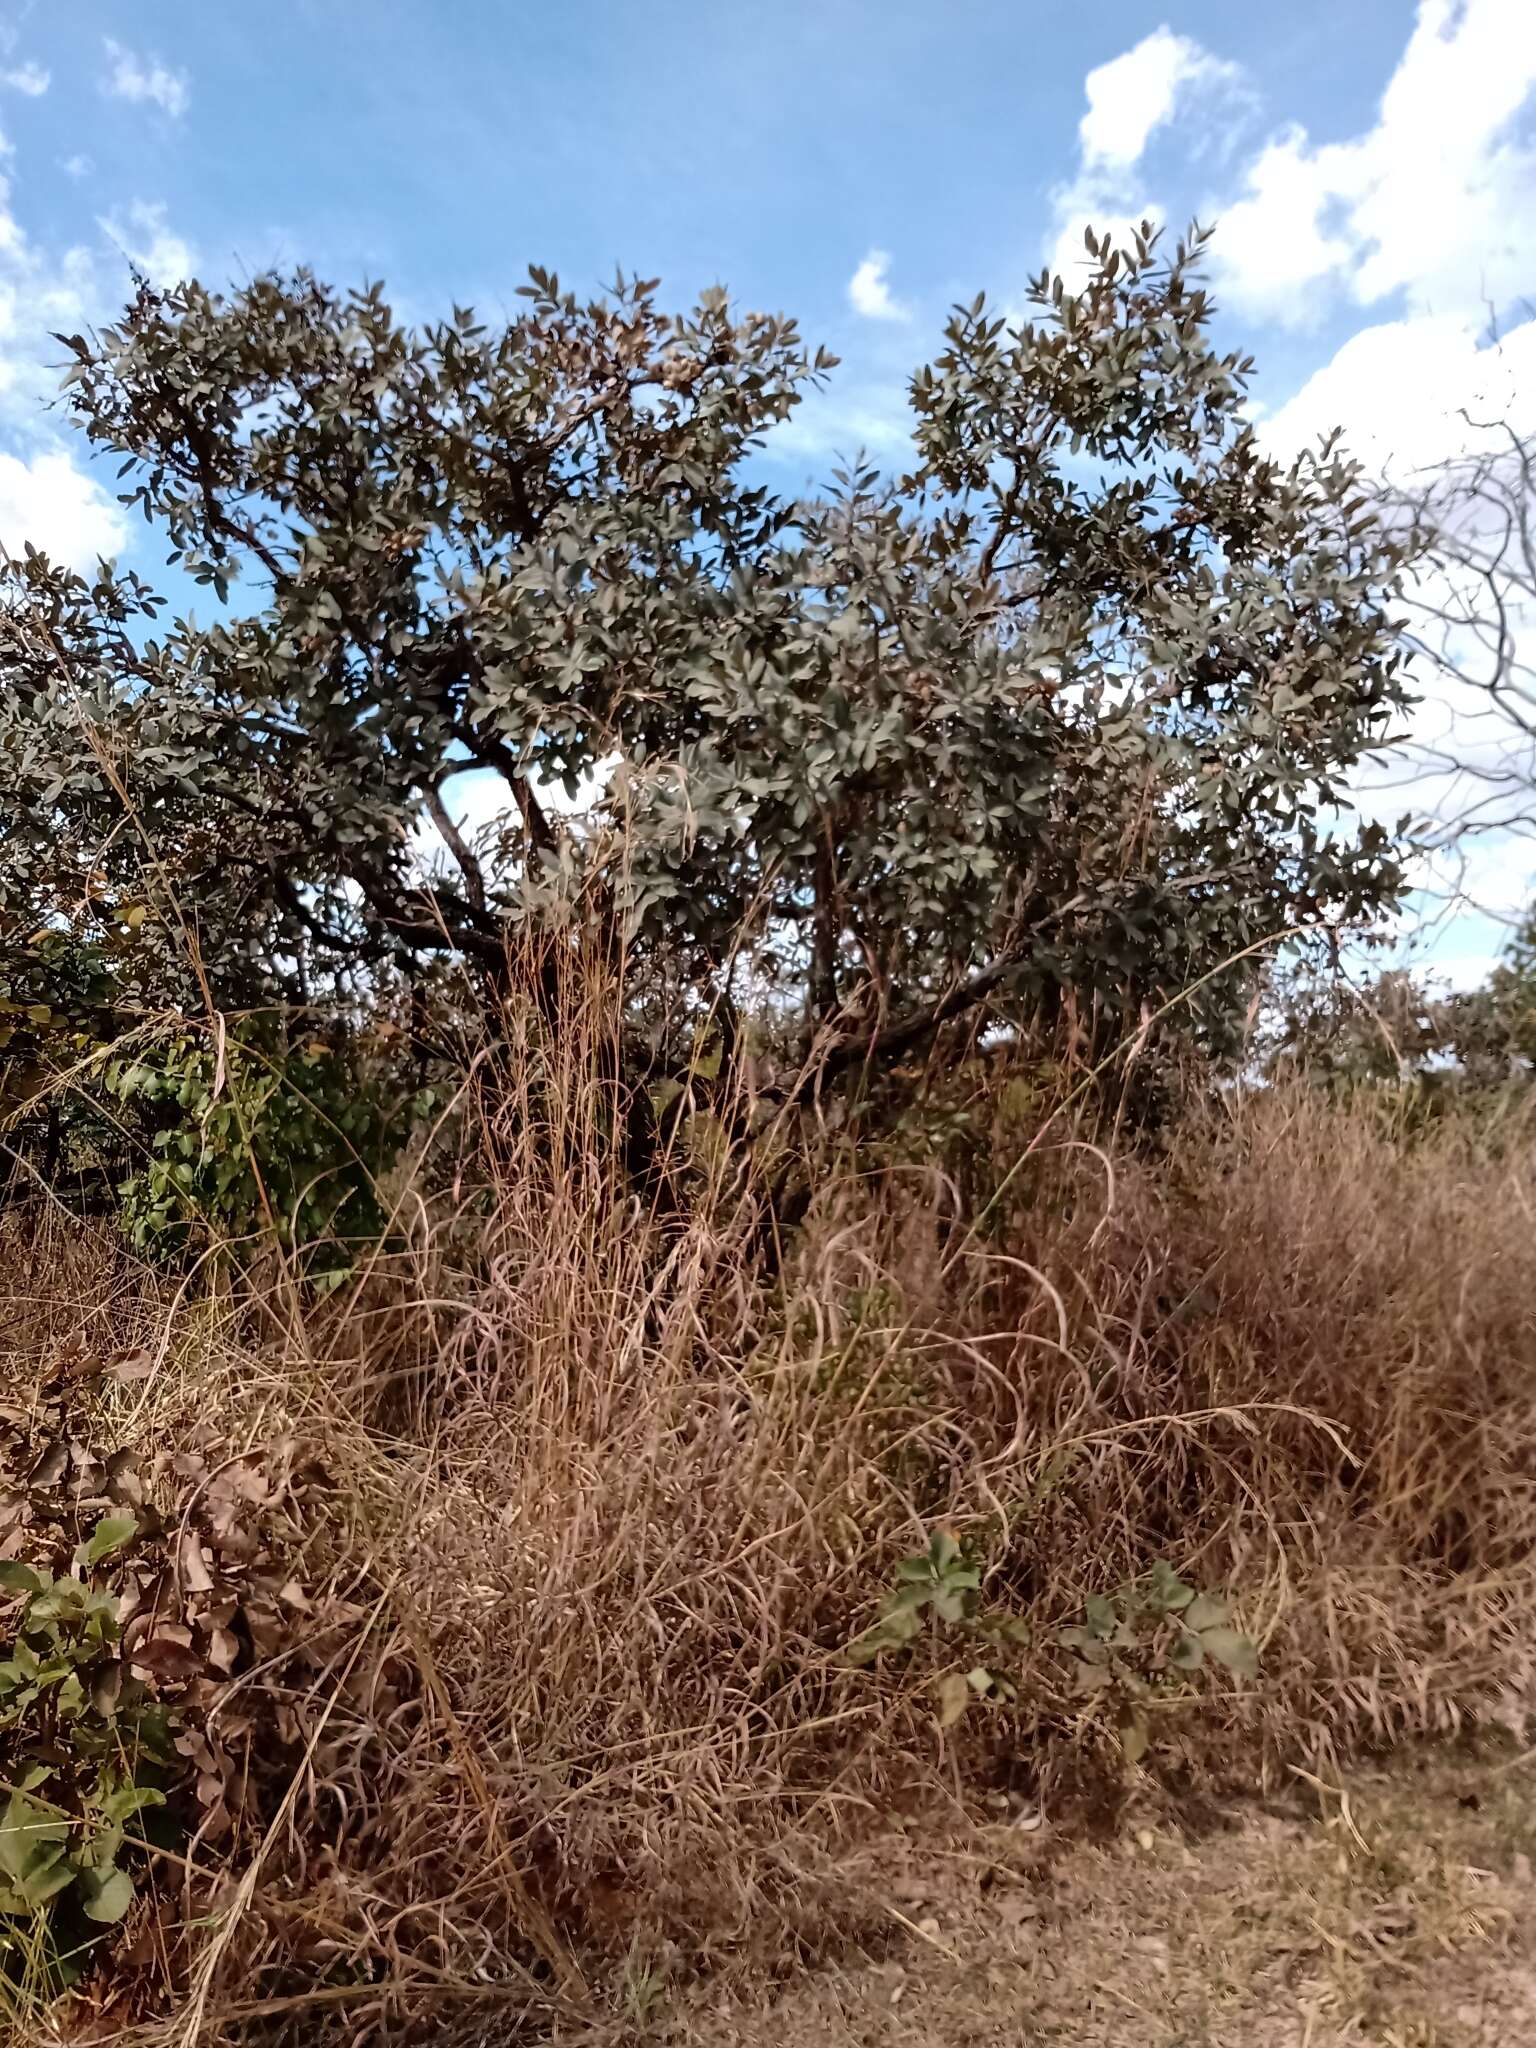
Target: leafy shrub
<point x="86" y="1748"/>
<point x="939" y="1590"/>
<point x="1138" y="1648"/>
<point x="252" y="1138"/>
<point x="1060" y="713"/>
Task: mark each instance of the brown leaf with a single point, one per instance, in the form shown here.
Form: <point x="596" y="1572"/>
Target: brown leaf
<point x="245" y="1479"/>
<point x="51" y="1465"/>
<point x="122" y="1480"/>
<point x="129" y="1366"/>
<point x="210" y="1788"/>
<point x="164" y="1657"/>
<point x="230" y="1538"/>
<point x="193" y="1572"/>
<point x="269" y="1633"/>
<point x="223" y="1649"/>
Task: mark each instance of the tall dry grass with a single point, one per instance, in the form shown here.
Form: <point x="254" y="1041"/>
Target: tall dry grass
<point x="617" y="1479"/>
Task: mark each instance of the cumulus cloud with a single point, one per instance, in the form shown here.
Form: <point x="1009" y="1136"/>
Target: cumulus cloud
<point x="1129" y="99"/>
<point x="869" y="292"/>
<point x="139" y="81"/>
<point x="76" y="166"/>
<point x="1136" y="93"/>
<point x="1437" y="200"/>
<point x="1412" y="396"/>
<point x="1409" y="393"/>
<point x="28" y="78"/>
<point x="58" y="508"/>
<point x="1424" y="224"/>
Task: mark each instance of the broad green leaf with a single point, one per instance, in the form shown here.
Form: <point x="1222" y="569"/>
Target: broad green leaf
<point x="1206" y="1610"/>
<point x="1234" y="1650"/>
<point x="105" y="1895"/>
<point x="1100" y="1615"/>
<point x="110" y="1534"/>
<point x="29" y="1834"/>
<point x="1188" y="1653"/>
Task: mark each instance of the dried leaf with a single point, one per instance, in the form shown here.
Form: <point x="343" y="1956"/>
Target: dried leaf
<point x="223" y="1649"/>
<point x="954" y="1697"/>
<point x="190" y="1568"/>
<point x="166" y="1658"/>
<point x="130" y="1366"/>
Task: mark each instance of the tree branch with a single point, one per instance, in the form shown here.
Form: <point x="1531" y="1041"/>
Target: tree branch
<point x="453" y="839"/>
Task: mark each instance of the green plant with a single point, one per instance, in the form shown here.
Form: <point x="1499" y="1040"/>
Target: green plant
<point x="938" y="1591"/>
<point x="1137" y="1648"/>
<point x="82" y="1745"/>
<point x="254" y="1137"/>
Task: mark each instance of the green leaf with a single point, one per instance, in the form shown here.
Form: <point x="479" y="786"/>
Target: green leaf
<point x="1166" y="1591"/>
<point x="1100" y="1616"/>
<point x="1236" y="1651"/>
<point x="1206" y="1610"/>
<point x="110" y="1534"/>
<point x="19" y="1578"/>
<point x="950" y="1603"/>
<point x="105" y="1895"/>
<point x="124" y="1801"/>
<point x="29" y="1834"/>
<point x="893" y="1631"/>
<point x="45" y="1880"/>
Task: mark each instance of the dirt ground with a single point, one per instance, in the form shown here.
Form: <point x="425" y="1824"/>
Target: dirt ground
<point x="1394" y="1907"/>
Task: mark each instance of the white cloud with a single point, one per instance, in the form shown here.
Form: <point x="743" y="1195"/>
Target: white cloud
<point x="51" y="503"/>
<point x="1402" y="391"/>
<point x="132" y="78"/>
<point x="1437" y="200"/>
<point x="1134" y="94"/>
<point x="1129" y="99"/>
<point x="874" y="417"/>
<point x="1412" y="395"/>
<point x="144" y="238"/>
<point x="28" y="78"/>
<point x="869" y="292"/>
<point x="76" y="166"/>
<point x="46" y="497"/>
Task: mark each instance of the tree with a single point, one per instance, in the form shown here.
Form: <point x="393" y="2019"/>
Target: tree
<point x="1471" y="613"/>
<point x="1065" y="712"/>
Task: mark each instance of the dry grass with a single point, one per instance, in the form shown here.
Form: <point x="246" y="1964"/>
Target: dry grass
<point x="614" y="1493"/>
<point x="1392" y="1908"/>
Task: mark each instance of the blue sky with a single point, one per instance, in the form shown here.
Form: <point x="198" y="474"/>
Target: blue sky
<point x="862" y="163"/>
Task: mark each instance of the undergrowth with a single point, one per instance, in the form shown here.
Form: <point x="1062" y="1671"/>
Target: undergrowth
<point x="539" y="1626"/>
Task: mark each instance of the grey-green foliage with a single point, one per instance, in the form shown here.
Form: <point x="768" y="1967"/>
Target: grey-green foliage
<point x="1059" y="710"/>
<point x="1392" y="1033"/>
<point x="1137" y="1649"/>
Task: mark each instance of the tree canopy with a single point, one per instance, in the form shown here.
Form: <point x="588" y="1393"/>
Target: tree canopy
<point x="1069" y="707"/>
